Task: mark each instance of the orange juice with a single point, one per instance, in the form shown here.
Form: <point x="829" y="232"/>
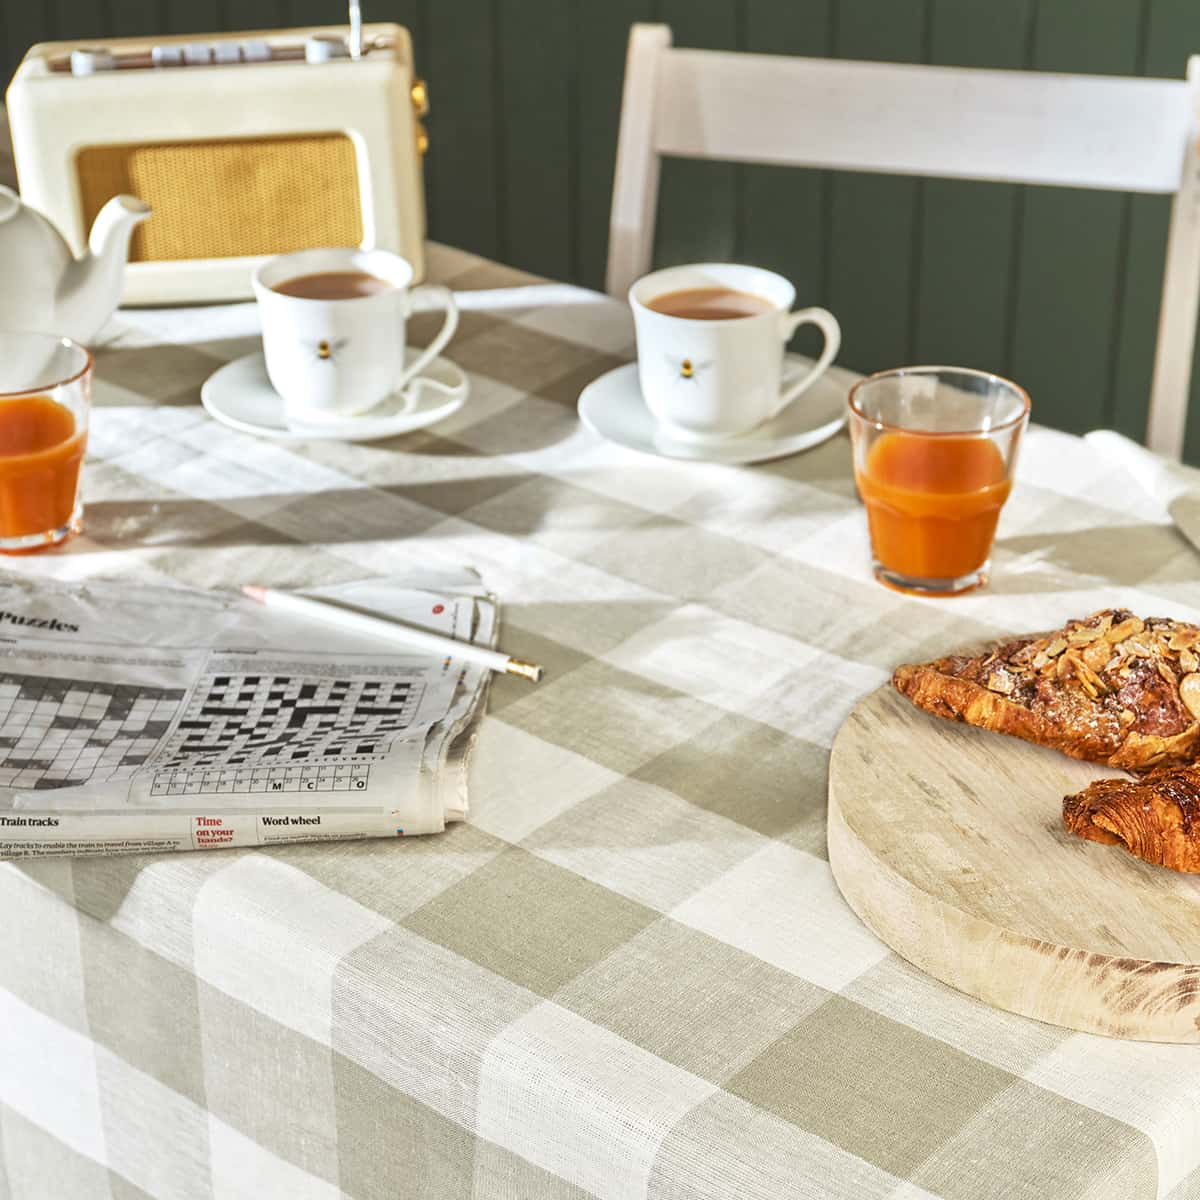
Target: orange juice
<point x="40" y="457"/>
<point x="932" y="502"/>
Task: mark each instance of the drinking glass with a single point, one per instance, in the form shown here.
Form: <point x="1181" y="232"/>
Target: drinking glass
<point x="45" y="398"/>
<point x="934" y="453"/>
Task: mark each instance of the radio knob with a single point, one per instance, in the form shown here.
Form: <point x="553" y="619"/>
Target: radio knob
<point x="197" y="54"/>
<point x="420" y="97"/>
<point x="86" y="61"/>
<point x="256" y="50"/>
<point x="226" y="52"/>
<point x="324" y="49"/>
<point x="167" y="56"/>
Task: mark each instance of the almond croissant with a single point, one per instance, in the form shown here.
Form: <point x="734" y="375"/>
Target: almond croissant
<point x="1156" y="818"/>
<point x="1110" y="688"/>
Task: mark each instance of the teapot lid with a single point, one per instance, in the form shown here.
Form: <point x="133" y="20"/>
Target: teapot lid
<point x="9" y="203"/>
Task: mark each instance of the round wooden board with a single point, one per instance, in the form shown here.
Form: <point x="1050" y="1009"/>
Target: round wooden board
<point x="948" y="842"/>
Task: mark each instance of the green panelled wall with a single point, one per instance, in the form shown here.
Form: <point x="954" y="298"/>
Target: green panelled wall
<point x="1055" y="287"/>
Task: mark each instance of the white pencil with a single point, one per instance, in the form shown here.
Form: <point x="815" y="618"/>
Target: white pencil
<point x="392" y="631"/>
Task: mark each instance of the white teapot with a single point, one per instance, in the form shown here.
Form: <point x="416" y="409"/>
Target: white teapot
<point x="44" y="287"/>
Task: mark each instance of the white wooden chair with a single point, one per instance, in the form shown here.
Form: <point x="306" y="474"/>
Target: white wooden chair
<point x="8" y="173"/>
<point x="1118" y="134"/>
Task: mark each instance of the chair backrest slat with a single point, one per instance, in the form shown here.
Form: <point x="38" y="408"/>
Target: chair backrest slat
<point x="1012" y="126"/>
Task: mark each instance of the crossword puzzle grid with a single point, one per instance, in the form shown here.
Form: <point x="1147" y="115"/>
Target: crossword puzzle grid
<point x="273" y="733"/>
<point x="62" y="732"/>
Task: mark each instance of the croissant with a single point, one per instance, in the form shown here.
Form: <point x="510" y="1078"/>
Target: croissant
<point x="1156" y="818"/>
<point x="1110" y="688"/>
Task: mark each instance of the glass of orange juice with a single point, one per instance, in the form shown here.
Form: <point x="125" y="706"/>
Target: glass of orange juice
<point x="934" y="453"/>
<point x="45" y="399"/>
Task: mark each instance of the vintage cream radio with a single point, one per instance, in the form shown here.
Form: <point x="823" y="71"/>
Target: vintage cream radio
<point x="244" y="145"/>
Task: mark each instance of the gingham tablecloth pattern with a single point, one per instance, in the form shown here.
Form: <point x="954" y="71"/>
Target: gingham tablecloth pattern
<point x="631" y="974"/>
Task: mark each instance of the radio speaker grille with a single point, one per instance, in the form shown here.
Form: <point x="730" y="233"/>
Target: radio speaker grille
<point x="230" y="198"/>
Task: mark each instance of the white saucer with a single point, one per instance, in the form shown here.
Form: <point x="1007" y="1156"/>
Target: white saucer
<point x="612" y="406"/>
<point x="240" y="395"/>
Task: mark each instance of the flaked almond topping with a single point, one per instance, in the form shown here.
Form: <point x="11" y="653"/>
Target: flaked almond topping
<point x="1188" y="661"/>
<point x="1090" y="680"/>
<point x="1041" y="659"/>
<point x="1056" y="647"/>
<point x="1137" y="645"/>
<point x="1083" y="635"/>
<point x="1001" y="681"/>
<point x="1127" y="628"/>
<point x="1189" y="693"/>
<point x="1127" y="716"/>
<point x="1096" y="655"/>
<point x="1167" y="674"/>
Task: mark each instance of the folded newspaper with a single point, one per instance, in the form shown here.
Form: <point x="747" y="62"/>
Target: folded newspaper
<point x="137" y="718"/>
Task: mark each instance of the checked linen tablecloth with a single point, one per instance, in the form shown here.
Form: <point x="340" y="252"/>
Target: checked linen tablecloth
<point x="630" y="974"/>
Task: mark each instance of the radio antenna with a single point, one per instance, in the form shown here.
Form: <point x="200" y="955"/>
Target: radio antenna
<point x="356" y="36"/>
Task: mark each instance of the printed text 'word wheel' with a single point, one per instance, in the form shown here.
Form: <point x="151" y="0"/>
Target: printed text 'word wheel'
<point x="948" y="842"/>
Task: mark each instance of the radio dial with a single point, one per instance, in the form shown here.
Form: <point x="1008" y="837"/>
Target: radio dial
<point x="88" y="62"/>
<point x="420" y="97"/>
<point x="324" y="49"/>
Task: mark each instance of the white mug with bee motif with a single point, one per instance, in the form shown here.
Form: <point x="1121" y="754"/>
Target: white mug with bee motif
<point x="710" y="346"/>
<point x="333" y="325"/>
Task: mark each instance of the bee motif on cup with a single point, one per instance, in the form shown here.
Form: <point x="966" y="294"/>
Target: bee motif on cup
<point x="324" y="350"/>
<point x="687" y="369"/>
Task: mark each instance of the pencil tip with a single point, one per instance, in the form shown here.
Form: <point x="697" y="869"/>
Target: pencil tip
<point x="255" y="592"/>
<point x="526" y="670"/>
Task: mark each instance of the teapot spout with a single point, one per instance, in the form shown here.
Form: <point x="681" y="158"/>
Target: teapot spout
<point x="91" y="287"/>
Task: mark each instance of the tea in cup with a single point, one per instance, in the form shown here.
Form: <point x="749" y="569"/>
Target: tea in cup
<point x="333" y="324"/>
<point x="710" y="342"/>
